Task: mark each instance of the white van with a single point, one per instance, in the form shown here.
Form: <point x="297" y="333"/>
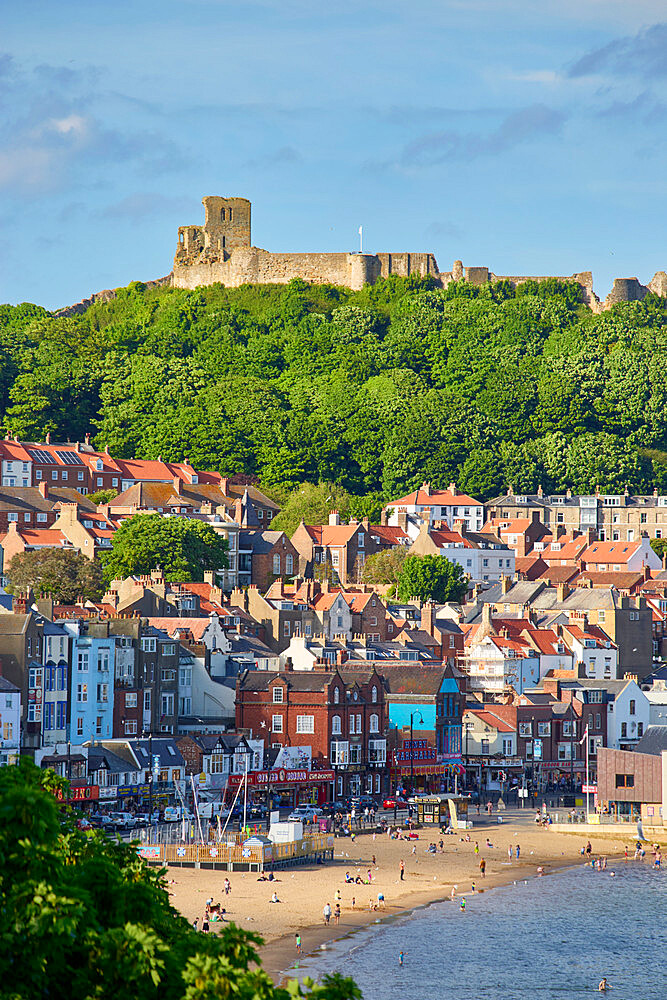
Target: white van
<point x="173" y="813"/>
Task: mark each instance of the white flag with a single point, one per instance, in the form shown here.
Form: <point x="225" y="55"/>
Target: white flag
<point x="584" y="737"/>
<point x="361" y="230"/>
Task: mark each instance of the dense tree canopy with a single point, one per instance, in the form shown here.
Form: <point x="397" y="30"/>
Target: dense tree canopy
<point x="431" y="578"/>
<point x="372" y="391"/>
<point x="183" y="549"/>
<point x="62" y="574"/>
<point x="81" y="916"/>
<point x="385" y="567"/>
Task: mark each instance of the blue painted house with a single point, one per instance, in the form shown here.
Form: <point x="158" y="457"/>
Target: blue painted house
<point x="92" y="684"/>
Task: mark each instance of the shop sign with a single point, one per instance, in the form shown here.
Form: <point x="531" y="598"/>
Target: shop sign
<point x="107" y="793"/>
<point x="282" y="776"/>
<point x="80" y="793"/>
<point x="416" y="750"/>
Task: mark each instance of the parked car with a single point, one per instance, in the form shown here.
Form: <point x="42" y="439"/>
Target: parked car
<point x="121" y="821"/>
<point x="304" y="814"/>
<point x="329" y="808"/>
<point x="361" y="802"/>
<point x="143" y="819"/>
<point x="395" y="802"/>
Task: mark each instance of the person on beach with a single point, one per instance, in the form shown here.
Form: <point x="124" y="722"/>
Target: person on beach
<point x="401" y="956"/>
<point x="274" y="898"/>
<point x="509" y="852"/>
<point x="473" y="887"/>
<point x="604" y="985"/>
<point x="518" y="851"/>
<point x="482" y="867"/>
<point x="297" y="943"/>
<point x="588" y="849"/>
<point x="337" y="913"/>
<point x="402" y="869"/>
<point x="228" y="886"/>
<point x="462" y="904"/>
<point x="326" y="913"/>
<point x="195" y="924"/>
<point x="205" y="925"/>
<point x="476" y="848"/>
<point x="452" y="894"/>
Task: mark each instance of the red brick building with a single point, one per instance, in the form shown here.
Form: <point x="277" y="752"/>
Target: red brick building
<point x="339" y="713"/>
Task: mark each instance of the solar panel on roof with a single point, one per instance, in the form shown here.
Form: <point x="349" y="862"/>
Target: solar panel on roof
<point x="44" y="457"/>
<point x="69" y="457"/>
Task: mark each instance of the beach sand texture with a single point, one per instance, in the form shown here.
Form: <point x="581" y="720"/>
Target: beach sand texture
<point x="303" y="891"/>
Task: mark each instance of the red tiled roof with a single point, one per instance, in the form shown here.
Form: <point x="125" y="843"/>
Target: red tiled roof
<point x="610" y="552"/>
<point x="438" y="498"/>
<point x="389" y="533"/>
<point x="492" y="720"/>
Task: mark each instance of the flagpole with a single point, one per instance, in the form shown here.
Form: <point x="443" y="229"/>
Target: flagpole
<point x="588" y="782"/>
<point x="361" y="239"/>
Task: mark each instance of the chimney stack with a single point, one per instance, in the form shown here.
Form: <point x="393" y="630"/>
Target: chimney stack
<point x="43" y="488"/>
<point x="334" y="518"/>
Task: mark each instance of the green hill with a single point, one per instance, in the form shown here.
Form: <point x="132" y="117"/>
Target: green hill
<point x="375" y="390"/>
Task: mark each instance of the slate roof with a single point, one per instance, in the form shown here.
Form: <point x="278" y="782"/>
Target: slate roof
<point x="654" y="741"/>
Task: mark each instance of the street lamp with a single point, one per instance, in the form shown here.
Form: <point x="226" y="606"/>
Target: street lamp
<point x="412" y="751"/>
<point x="150" y="778"/>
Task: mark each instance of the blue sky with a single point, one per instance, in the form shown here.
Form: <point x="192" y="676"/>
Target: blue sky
<point x="528" y="137"/>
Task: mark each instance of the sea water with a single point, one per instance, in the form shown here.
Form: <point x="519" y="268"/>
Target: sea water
<point x="552" y="938"/>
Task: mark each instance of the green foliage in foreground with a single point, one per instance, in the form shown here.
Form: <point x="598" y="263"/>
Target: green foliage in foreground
<point x="373" y="390"/>
<point x="83" y="917"/>
<point x="182" y="549"/>
<point x="431" y="578"/>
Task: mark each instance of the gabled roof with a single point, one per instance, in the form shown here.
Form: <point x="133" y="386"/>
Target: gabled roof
<point x="439" y="498"/>
<point x="492" y="720"/>
<point x="610" y="552"/>
<point x="302" y="680"/>
<point x="260" y="541"/>
<point x="654" y="741"/>
<point x="416" y="679"/>
<point x="389" y="534"/>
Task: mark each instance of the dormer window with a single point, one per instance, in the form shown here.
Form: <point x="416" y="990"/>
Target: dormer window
<point x="336" y="696"/>
<point x="374" y="694"/>
<point x="99" y="464"/>
<point x="278" y="696"/>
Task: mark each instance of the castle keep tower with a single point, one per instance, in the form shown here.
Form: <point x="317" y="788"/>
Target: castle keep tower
<point x="226" y="228"/>
<point x="227" y="223"/>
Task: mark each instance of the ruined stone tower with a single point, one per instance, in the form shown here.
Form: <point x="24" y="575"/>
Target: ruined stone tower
<point x="226" y="228"/>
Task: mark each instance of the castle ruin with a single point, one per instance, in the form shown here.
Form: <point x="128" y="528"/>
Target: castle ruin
<point x="221" y="251"/>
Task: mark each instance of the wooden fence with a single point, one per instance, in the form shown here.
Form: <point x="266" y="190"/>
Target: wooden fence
<point x="317" y="848"/>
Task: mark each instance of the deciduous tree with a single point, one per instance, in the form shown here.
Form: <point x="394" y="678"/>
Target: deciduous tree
<point x="183" y="549"/>
<point x="431" y="578"/>
<point x="63" y="574"/>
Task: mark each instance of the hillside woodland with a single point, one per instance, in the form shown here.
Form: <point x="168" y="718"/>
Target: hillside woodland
<point x="371" y="391"/>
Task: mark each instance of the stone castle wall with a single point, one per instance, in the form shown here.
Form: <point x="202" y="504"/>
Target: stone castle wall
<point x="222" y="251"/>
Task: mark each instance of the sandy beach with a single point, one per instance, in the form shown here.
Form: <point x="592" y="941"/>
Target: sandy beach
<point x="304" y="891"/>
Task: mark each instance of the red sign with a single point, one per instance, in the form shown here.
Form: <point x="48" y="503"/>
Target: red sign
<point x="416" y="750"/>
<point x="282" y="776"/>
<point x="82" y="793"/>
<point x="590" y="789"/>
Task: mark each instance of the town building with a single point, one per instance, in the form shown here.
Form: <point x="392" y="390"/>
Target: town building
<point x="339" y="712"/>
<point x="482" y="557"/>
<point x="613" y="517"/>
<point x="10" y="722"/>
<point x="434" y="506"/>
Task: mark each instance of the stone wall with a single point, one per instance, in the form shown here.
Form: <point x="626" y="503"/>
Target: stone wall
<point x="260" y="266"/>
